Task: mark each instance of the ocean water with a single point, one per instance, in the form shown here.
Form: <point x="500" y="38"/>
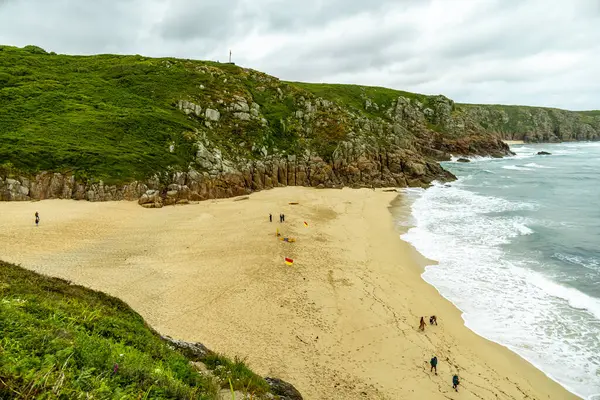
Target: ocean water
<point x="518" y="245"/>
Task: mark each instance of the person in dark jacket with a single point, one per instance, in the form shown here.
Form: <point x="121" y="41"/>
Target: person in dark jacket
<point x="433" y="363"/>
<point x="455" y="382"/>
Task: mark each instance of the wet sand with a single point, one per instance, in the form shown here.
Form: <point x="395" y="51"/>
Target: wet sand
<point x="341" y="323"/>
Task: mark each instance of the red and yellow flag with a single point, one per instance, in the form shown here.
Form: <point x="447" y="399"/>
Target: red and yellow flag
<point x="289" y="261"/>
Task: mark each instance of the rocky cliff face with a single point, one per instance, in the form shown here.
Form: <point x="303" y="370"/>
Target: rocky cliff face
<point x="532" y="124"/>
<point x="167" y="131"/>
<point x="399" y="149"/>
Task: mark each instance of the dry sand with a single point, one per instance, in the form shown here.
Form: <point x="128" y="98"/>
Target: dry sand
<point x="341" y="323"/>
<point x="513" y="142"/>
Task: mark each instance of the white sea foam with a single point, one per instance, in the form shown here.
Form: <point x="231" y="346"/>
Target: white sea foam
<point x="506" y="300"/>
<point x="516" y="168"/>
<point x="589" y="263"/>
<point x="573" y="297"/>
<point x="472" y="158"/>
<point x="534" y="165"/>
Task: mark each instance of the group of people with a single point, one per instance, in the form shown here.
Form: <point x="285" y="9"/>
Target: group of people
<point x="432" y="321"/>
<point x="281" y="217"/>
<point x="434" y="361"/>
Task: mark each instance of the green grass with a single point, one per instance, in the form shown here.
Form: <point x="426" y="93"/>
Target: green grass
<point x="59" y="340"/>
<point x="113" y="117"/>
<point x="236" y="374"/>
<point x="354" y="96"/>
<point x="107" y="117"/>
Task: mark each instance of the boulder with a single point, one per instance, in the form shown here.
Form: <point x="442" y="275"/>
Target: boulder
<point x="244" y="116"/>
<point x="284" y="390"/>
<point x="171" y="197"/>
<point x="212" y="115"/>
<point x="188" y="107"/>
<point x="151" y="199"/>
<point x="193" y="351"/>
<point x="241" y="104"/>
<point x="463" y="160"/>
<point x="543" y="153"/>
<point x="152" y="205"/>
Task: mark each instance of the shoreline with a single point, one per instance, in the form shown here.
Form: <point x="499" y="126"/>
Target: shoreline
<point x="513" y="142"/>
<point x="571" y="392"/>
<point x="341" y="323"/>
<point x="398" y="209"/>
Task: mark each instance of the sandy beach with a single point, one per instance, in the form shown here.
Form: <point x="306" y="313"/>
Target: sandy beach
<point x="513" y="142"/>
<point x="341" y="323"/>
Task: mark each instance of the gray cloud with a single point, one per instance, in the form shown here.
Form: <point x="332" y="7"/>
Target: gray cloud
<point x="537" y="52"/>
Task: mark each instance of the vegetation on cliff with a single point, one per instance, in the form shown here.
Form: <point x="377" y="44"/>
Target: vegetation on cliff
<point x="59" y="340"/>
<point x="123" y="118"/>
<point x="534" y="124"/>
<point x="112" y="120"/>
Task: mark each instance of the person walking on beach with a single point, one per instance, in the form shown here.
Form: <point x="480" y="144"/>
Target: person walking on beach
<point x="37" y="218"/>
<point x="280" y="218"/>
<point x="422" y="324"/>
<point x="455" y="382"/>
<point x="433" y="320"/>
<point x="270" y="217"/>
<point x="433" y="363"/>
<point x="283" y="217"/>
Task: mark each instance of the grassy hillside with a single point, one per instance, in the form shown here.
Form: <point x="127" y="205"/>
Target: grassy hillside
<point x="121" y="118"/>
<point x="115" y="117"/>
<point x="59" y="340"/>
<point x="107" y="116"/>
<point x="354" y="96"/>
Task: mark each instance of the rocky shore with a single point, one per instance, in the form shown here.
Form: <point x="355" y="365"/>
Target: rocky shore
<point x="222" y="180"/>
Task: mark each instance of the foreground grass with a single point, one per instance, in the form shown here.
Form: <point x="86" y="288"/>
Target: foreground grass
<point x="59" y="340"/>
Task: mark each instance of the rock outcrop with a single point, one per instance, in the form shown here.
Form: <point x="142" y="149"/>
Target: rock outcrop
<point x="398" y="150"/>
<point x="192" y="351"/>
<point x="350" y="150"/>
<point x="47" y="185"/>
<point x="197" y="353"/>
<point x="532" y="124"/>
<point x="226" y="131"/>
<point x="222" y="179"/>
<point x="284" y="390"/>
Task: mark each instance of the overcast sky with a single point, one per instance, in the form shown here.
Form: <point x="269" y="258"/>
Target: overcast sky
<point x="535" y="52"/>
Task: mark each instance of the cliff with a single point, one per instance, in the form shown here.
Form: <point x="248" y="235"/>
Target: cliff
<point x="533" y="124"/>
<point x="167" y="130"/>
